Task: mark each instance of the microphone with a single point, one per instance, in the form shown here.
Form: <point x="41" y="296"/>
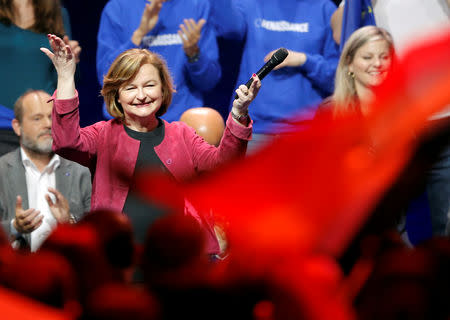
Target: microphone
<point x="277" y="58"/>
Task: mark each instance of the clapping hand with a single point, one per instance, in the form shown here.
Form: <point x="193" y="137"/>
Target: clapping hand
<point x="190" y="33"/>
<point x="149" y="19"/>
<point x="60" y="207"/>
<point x="28" y="220"/>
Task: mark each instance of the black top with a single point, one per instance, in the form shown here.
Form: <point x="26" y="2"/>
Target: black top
<point x="143" y="212"/>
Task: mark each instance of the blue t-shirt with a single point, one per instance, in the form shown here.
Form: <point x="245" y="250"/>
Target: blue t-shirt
<point x="120" y="18"/>
<point x="298" y="25"/>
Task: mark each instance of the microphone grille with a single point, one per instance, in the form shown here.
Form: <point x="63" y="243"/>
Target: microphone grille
<point x="280" y="55"/>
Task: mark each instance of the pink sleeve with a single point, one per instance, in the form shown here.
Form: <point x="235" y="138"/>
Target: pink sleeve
<point x="233" y="145"/>
<point x="69" y="140"/>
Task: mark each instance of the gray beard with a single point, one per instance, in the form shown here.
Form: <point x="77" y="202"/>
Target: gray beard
<point x="44" y="147"/>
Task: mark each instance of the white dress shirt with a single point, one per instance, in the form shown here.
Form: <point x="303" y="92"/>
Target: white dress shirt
<point x="37" y="187"/>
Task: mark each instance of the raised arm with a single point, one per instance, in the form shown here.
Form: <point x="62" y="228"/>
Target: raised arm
<point x="201" y="50"/>
<point x="111" y="38"/>
<point x="319" y="67"/>
<point x="336" y="23"/>
<point x="69" y="140"/>
<point x="237" y="132"/>
<point x="65" y="64"/>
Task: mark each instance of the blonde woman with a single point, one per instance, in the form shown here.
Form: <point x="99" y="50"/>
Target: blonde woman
<point x="365" y="62"/>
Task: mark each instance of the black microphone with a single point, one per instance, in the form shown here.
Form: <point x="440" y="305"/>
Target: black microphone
<point x="277" y="58"/>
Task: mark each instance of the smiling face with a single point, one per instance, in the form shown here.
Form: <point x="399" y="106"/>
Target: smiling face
<point x="371" y="64"/>
<point x="142" y="97"/>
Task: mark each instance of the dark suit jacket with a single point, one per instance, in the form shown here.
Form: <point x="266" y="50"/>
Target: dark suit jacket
<point x="72" y="180"/>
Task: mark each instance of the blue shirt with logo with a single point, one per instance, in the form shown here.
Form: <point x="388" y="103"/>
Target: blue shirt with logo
<point x="120" y="18"/>
<point x="298" y="25"/>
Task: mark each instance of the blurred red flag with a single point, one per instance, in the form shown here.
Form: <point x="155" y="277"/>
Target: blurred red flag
<point x="312" y="190"/>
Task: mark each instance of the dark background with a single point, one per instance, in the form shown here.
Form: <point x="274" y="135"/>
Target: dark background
<point x="85" y="18"/>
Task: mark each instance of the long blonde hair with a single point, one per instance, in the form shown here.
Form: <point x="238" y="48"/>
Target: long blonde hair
<point x="345" y="98"/>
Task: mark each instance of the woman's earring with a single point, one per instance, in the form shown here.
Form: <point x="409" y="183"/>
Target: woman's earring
<point x="351" y="74"/>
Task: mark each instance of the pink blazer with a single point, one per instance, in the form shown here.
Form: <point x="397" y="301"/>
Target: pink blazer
<point x="111" y="155"/>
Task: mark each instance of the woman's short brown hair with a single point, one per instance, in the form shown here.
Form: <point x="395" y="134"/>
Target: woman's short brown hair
<point x="124" y="69"/>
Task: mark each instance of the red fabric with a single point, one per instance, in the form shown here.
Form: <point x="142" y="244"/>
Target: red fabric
<point x="311" y="191"/>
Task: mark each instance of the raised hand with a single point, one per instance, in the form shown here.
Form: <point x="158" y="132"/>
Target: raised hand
<point x="74" y="46"/>
<point x="61" y="55"/>
<point x="65" y="64"/>
<point x="293" y="59"/>
<point x="245" y="96"/>
<point x="149" y="19"/>
<point x="60" y="207"/>
<point x="28" y="220"/>
<point x="190" y="33"/>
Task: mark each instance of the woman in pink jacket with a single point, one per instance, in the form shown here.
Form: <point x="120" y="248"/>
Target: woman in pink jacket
<point x="137" y="91"/>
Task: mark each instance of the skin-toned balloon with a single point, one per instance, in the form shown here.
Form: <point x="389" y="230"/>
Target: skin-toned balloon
<point x="207" y="122"/>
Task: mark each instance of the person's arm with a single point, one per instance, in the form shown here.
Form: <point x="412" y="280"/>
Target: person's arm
<point x="69" y="140"/>
<point x="320" y="68"/>
<point x="59" y="207"/>
<point x="236" y="134"/>
<point x="228" y="18"/>
<point x="111" y="40"/>
<point x="150" y="17"/>
<point x="74" y="44"/>
<point x="26" y="221"/>
<point x="64" y="62"/>
<point x="336" y="23"/>
<point x="202" y="53"/>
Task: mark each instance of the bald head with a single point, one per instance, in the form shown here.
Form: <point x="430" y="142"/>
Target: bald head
<point x="29" y="99"/>
<point x="207" y="122"/>
<point x="33" y="122"/>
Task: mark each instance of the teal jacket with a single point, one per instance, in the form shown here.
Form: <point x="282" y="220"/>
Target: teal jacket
<point x="23" y="66"/>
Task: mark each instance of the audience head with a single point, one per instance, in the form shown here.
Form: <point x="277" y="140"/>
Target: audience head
<point x="33" y="121"/>
<point x="81" y="246"/>
<point x="115" y="234"/>
<point x="365" y="60"/>
<point x="207" y="122"/>
<point x="121" y="302"/>
<point x="407" y="284"/>
<point x="124" y="69"/>
<point x="174" y="251"/>
<point x="46" y="277"/>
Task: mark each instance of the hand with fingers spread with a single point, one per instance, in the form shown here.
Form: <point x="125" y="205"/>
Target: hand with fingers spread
<point x="293" y="59"/>
<point x="190" y="33"/>
<point x="74" y="46"/>
<point x="64" y="61"/>
<point x="28" y="220"/>
<point x="245" y="96"/>
<point x="60" y="207"/>
<point x="149" y="19"/>
<point x="61" y="55"/>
